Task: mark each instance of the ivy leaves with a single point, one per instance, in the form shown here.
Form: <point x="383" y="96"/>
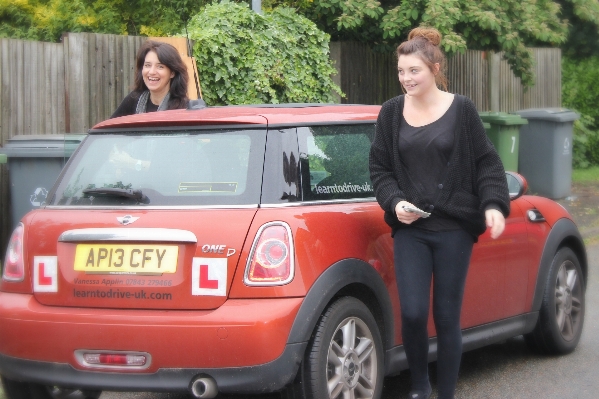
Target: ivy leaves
<point x="244" y="57"/>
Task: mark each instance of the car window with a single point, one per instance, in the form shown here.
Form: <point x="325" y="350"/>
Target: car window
<point x="169" y="168"/>
<point x="334" y="161"/>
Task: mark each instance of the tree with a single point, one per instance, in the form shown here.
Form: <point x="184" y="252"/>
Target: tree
<point x="497" y="25"/>
<point x="47" y="19"/>
<point x="583" y="35"/>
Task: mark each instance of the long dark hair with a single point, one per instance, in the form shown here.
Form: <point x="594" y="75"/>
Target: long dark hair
<point x="424" y="42"/>
<point x="170" y="57"/>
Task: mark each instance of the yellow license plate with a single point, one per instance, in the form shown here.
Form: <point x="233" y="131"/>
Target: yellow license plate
<point x="139" y="259"/>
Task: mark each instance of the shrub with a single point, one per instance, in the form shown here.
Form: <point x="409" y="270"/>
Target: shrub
<point x="579" y="79"/>
<point x="244" y="57"/>
<point x="585" y="152"/>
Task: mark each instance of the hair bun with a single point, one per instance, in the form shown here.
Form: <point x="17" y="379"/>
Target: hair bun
<point x="430" y="34"/>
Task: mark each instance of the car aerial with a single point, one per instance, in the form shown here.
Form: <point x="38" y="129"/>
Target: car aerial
<point x="240" y="249"/>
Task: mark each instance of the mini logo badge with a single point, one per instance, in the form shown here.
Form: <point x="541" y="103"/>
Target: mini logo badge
<point x="127" y="219"/>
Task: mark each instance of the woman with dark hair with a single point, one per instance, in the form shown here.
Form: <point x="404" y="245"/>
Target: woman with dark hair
<point x="160" y="81"/>
<point x="441" y="184"/>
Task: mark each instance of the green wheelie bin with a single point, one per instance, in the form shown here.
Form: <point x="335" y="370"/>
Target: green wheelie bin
<point x="504" y="132"/>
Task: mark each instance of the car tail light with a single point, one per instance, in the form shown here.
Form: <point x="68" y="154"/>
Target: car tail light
<point x="14" y="267"/>
<point x="114" y="360"/>
<point x="271" y="260"/>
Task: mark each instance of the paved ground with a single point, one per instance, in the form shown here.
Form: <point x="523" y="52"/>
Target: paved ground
<point x="583" y="204"/>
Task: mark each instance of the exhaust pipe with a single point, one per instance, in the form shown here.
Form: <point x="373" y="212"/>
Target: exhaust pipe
<point x="204" y="387"/>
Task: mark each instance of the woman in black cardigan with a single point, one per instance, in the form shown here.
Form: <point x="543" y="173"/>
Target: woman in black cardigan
<point x="441" y="184"/>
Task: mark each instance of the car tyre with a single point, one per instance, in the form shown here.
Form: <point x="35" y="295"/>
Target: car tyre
<point x="26" y="390"/>
<point x="561" y="316"/>
<point x="344" y="357"/>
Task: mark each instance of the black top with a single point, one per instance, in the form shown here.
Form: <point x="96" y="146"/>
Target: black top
<point x="474" y="180"/>
<point x="425" y="152"/>
<point x="129" y="105"/>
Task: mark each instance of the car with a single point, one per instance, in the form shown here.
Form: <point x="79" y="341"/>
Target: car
<point x="240" y="249"/>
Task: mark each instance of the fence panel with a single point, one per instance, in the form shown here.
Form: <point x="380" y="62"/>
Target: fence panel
<point x="468" y="75"/>
<point x="100" y="72"/>
<point x="547" y="91"/>
<point x="371" y="78"/>
<point x="32" y="87"/>
<point x="366" y="77"/>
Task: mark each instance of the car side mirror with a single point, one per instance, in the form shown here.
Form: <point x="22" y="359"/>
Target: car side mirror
<point x="516" y="184"/>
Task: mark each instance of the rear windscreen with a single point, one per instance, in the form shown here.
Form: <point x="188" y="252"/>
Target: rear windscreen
<point x="182" y="168"/>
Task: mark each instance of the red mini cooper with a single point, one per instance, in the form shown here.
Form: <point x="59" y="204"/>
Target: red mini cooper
<point x="241" y="250"/>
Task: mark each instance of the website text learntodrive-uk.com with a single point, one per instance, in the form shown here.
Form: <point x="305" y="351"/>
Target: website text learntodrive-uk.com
<point x="118" y="294"/>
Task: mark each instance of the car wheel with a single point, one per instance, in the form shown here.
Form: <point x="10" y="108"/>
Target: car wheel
<point x="344" y="358"/>
<point x="561" y="316"/>
<point x="25" y="390"/>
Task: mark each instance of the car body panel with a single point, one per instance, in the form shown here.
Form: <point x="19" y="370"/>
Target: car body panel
<point x="239" y="333"/>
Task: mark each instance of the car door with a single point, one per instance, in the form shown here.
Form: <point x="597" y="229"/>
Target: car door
<point x="496" y="285"/>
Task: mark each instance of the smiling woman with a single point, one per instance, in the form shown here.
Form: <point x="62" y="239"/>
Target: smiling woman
<point x="160" y="81"/>
<point x="441" y="184"/>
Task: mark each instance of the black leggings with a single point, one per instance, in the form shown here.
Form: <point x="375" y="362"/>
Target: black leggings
<point x="420" y="255"/>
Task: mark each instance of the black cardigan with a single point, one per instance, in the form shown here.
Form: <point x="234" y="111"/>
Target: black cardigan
<point x="473" y="181"/>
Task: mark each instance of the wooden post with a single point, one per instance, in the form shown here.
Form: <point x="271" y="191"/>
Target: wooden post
<point x="180" y="43"/>
<point x="335" y="56"/>
<point x="494" y="76"/>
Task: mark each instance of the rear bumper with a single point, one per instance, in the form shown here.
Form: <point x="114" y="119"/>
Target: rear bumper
<point x="269" y="377"/>
<point x="242" y="345"/>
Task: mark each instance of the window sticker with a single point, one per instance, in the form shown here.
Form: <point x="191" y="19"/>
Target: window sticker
<point x="193" y="187"/>
<point x="209" y="276"/>
<point x="344" y="188"/>
<point x="45" y="274"/>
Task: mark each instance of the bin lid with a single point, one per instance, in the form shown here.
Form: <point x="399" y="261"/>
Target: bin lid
<point x="549" y="114"/>
<point x="42" y="145"/>
<point x="502" y="118"/>
<point x="2" y="158"/>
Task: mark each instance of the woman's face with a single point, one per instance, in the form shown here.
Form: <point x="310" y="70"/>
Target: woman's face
<point x="156" y="75"/>
<point x="414" y="75"/>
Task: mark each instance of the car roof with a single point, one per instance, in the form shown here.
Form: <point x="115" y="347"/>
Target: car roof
<point x="266" y="114"/>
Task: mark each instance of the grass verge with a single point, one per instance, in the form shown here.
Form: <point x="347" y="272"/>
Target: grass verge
<point x="585" y="175"/>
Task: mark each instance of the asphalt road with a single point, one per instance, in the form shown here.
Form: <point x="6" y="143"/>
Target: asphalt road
<point x="508" y="370"/>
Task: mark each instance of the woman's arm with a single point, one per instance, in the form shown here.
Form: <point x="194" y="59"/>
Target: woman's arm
<point x="491" y="182"/>
<point x="126" y="107"/>
<point x="386" y="187"/>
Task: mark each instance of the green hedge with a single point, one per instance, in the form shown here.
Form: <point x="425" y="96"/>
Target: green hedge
<point x="580" y="92"/>
<point x="247" y="58"/>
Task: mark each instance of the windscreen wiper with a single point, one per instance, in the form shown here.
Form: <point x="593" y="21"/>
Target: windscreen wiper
<point x="118" y="192"/>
